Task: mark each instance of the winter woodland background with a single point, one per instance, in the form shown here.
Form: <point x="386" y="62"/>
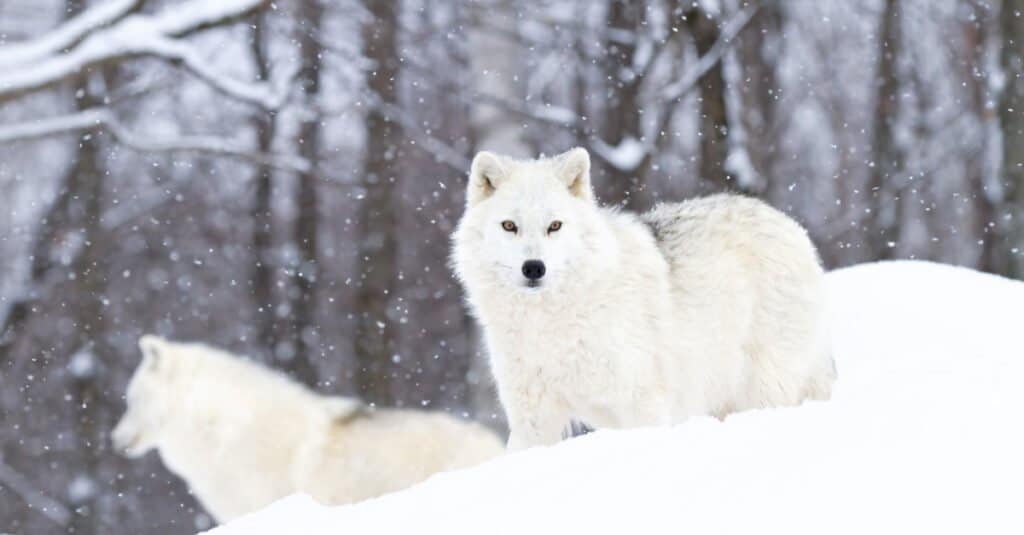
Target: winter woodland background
<point x="280" y="179"/>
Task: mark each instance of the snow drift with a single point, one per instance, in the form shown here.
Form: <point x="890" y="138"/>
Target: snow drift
<point x="923" y="434"/>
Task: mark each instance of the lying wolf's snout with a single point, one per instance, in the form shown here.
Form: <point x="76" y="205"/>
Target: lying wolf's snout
<point x="533" y="269"/>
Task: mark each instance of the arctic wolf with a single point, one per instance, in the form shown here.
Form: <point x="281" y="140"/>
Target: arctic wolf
<point x="243" y="436"/>
<point x="705" y="307"/>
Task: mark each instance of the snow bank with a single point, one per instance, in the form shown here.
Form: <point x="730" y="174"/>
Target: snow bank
<point x="923" y="435"/>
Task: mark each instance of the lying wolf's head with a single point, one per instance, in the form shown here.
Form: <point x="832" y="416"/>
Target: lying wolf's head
<point x="529" y="225"/>
<point x="149" y="399"/>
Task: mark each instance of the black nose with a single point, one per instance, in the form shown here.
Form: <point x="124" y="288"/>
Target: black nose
<point x="533" y="269"/>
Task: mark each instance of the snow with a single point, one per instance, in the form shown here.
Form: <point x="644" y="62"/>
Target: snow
<point x="922" y="435"/>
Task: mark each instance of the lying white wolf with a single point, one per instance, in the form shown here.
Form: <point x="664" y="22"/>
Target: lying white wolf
<point x="243" y="436"/>
<point x="709" y="306"/>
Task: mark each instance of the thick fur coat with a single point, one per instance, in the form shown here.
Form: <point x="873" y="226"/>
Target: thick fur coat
<point x="243" y="436"/>
<point x="705" y="307"/>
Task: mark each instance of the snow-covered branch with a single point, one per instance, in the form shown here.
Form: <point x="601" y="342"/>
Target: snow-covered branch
<point x="68" y="34"/>
<point x="267" y="95"/>
<point x="102" y="118"/>
<point x="134" y="35"/>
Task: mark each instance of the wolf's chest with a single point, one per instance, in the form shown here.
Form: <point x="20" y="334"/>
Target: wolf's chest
<point x="558" y="353"/>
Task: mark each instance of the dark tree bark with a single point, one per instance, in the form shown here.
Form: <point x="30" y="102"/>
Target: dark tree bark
<point x="1010" y="220"/>
<point x="376" y="239"/>
<point x="759" y="49"/>
<point x="261" y="211"/>
<point x="979" y="169"/>
<point x="304" y="304"/>
<point x="884" y="227"/>
<point x="89" y="348"/>
<point x="714" y="122"/>
<point x="624" y="26"/>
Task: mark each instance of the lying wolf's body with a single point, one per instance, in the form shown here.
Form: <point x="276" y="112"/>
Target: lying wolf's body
<point x="243" y="436"/>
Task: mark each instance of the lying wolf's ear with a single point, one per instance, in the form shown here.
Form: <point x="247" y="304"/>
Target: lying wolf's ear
<point x="342" y="409"/>
<point x="485" y="174"/>
<point x="154" y="350"/>
<point x="574" y="171"/>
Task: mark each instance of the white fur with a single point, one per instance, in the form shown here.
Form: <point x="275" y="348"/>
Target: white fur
<point x="243" y="436"/>
<point x="709" y="306"/>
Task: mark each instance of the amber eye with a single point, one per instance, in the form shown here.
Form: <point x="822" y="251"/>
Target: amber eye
<point x="509" y="226"/>
<point x="555" y="226"/>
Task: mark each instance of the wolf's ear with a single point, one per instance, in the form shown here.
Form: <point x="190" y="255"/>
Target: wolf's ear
<point x="485" y="174"/>
<point x="154" y="351"/>
<point x="574" y="172"/>
<point x="342" y="409"/>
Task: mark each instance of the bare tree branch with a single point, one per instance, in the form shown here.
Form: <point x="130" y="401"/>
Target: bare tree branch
<point x="102" y="118"/>
<point x="36" y="500"/>
<point x="439" y="149"/>
<point x="692" y="77"/>
<point x="548" y="113"/>
<point x="630" y="156"/>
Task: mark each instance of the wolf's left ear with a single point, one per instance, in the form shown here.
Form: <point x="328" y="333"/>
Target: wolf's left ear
<point x="574" y="171"/>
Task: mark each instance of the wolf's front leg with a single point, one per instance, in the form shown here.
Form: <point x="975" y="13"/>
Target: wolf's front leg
<point x="532" y="432"/>
<point x="542" y="425"/>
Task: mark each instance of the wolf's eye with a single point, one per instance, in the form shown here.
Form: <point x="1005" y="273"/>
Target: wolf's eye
<point x="509" y="226"/>
<point x="555" y="226"/>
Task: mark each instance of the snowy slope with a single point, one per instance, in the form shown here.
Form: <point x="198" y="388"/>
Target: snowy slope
<point x="924" y="433"/>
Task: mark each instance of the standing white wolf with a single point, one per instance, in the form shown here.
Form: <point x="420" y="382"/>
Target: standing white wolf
<point x="709" y="306"/>
<point x="243" y="435"/>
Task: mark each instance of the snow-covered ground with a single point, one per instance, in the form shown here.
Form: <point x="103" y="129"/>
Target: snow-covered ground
<point x="924" y="434"/>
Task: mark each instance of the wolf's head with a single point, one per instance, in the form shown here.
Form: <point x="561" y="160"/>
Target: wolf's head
<point x="149" y="398"/>
<point x="530" y="225"/>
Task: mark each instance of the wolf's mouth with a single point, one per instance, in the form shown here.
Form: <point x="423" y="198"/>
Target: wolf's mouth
<point x="533" y="284"/>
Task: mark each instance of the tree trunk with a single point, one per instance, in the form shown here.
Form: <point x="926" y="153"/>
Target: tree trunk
<point x="713" y="121"/>
<point x="261" y="212"/>
<point x="376" y="240"/>
<point x="1010" y="225"/>
<point x="759" y="49"/>
<point x="884" y="227"/>
<point x="980" y="170"/>
<point x="624" y="23"/>
<point x="304" y="304"/>
<point x="89" y="286"/>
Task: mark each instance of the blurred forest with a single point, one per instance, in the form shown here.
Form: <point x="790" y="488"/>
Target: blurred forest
<point x="280" y="179"/>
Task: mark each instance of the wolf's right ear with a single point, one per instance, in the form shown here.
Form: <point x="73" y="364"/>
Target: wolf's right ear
<point x="154" y="349"/>
<point x="575" y="172"/>
<point x="485" y="174"/>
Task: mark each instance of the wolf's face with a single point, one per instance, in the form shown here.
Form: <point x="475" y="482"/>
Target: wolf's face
<point x="148" y="398"/>
<point x="529" y="225"/>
